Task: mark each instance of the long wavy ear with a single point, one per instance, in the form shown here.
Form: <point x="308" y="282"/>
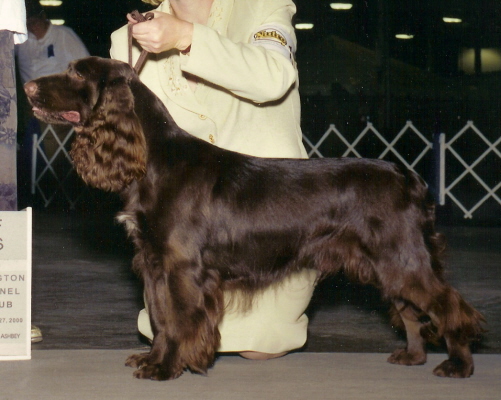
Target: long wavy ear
<point x="109" y="152"/>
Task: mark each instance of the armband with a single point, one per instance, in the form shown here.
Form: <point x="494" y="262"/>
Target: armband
<point x="276" y="38"/>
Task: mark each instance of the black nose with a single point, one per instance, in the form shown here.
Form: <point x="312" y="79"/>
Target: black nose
<point x="30" y="88"/>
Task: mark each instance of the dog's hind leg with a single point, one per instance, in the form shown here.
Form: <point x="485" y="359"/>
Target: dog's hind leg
<point x="461" y="324"/>
<point x="414" y="353"/>
<point x="412" y="275"/>
<point x="454" y="319"/>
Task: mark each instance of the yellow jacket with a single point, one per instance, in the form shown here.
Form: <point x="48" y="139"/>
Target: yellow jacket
<point x="241" y="49"/>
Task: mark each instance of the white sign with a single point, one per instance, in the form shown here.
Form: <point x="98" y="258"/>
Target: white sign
<point x="15" y="285"/>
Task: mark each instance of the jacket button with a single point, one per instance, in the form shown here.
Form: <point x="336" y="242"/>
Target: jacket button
<point x="203" y="117"/>
<point x="211" y="139"/>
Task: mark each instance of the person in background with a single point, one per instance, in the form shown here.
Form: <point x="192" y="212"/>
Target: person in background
<point x="48" y="50"/>
<point x="226" y="71"/>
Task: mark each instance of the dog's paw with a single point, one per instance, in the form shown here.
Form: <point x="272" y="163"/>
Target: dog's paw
<point x="137" y="360"/>
<point x="404" y="357"/>
<point x="454" y="368"/>
<point x="148" y="369"/>
<point x="157" y="373"/>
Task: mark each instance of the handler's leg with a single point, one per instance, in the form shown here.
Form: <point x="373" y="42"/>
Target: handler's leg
<point x="275" y="324"/>
<point x="255" y="355"/>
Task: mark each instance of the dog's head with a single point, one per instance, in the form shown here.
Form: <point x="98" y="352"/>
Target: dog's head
<point x="70" y="97"/>
<point x="94" y="96"/>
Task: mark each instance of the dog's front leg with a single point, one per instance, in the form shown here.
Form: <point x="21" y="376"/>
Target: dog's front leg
<point x="185" y="304"/>
<point x="162" y="362"/>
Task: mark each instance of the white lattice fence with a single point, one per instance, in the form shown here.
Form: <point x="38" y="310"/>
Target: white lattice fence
<point x="450" y="177"/>
<point x="388" y="147"/>
<point x="487" y="180"/>
<point x="53" y="175"/>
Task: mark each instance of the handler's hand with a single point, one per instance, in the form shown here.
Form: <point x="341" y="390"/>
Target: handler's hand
<point x="163" y="32"/>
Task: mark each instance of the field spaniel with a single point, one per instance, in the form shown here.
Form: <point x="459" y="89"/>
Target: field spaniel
<point x="204" y="220"/>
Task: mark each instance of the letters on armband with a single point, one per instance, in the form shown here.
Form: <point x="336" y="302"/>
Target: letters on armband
<point x="276" y="38"/>
<point x="270" y="35"/>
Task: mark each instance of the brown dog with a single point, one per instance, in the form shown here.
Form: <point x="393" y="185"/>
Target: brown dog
<point x="204" y="220"/>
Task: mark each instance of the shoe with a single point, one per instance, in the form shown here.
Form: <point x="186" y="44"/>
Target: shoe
<point x="36" y="334"/>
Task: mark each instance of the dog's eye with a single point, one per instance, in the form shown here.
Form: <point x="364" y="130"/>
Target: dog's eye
<point x="79" y="76"/>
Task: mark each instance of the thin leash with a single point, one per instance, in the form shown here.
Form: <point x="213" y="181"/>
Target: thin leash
<point x="142" y="57"/>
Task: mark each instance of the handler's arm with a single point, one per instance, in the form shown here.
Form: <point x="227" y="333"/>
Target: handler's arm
<point x="261" y="70"/>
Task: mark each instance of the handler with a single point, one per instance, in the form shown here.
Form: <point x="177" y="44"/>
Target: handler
<point x="226" y="71"/>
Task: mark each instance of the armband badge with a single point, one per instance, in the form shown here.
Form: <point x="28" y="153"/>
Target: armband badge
<point x="271" y="35"/>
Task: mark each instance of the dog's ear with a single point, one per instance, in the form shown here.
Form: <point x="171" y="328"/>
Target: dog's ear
<point x="109" y="152"/>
